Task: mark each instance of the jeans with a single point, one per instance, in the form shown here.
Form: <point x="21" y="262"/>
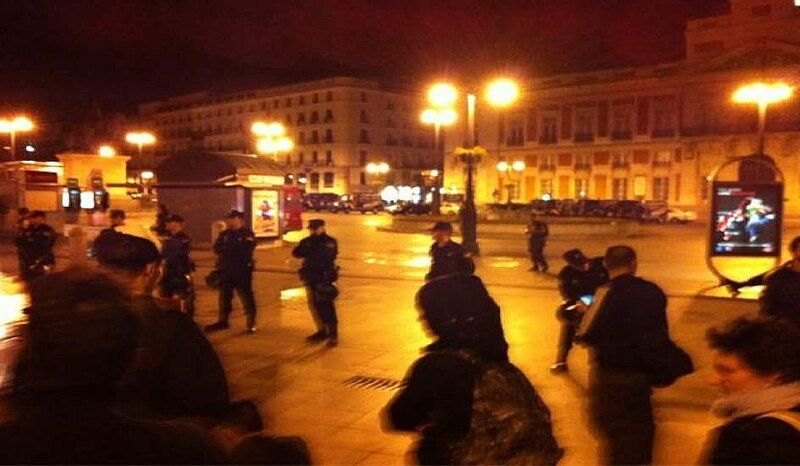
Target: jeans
<point x="243" y="284"/>
<point x="622" y="413"/>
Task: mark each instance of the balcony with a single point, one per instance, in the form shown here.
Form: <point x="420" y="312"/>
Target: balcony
<point x="547" y="168"/>
<point x="548" y="139"/>
<point x="621" y="135"/>
<point x="661" y="163"/>
<point x="584" y="137"/>
<point x="582" y="167"/>
<point x="620" y="165"/>
<point x="663" y="133"/>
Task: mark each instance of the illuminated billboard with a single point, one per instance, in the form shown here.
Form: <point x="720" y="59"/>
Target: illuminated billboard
<point x="746" y="219"/>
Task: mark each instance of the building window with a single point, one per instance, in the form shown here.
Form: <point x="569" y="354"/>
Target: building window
<point x="584" y="126"/>
<point x="546" y="187"/>
<point x="301" y="138"/>
<point x="328" y="136"/>
<point x="314" y="158"/>
<point x="664" y="122"/>
<point x="315" y="137"/>
<point x="619" y="160"/>
<point x="549" y="131"/>
<point x="314" y="117"/>
<point x="581" y="188"/>
<point x="301" y="158"/>
<point x="363" y="117"/>
<point x="328" y="116"/>
<point x="288" y="101"/>
<point x="314" y="180"/>
<point x="363" y="96"/>
<point x="362" y="159"/>
<point x="761" y="10"/>
<point x="302" y="100"/>
<point x="619" y="187"/>
<point x="328" y="179"/>
<point x="328" y="157"/>
<point x="364" y="137"/>
<point x="622" y="123"/>
<point x="329" y="96"/>
<point x="301" y="118"/>
<point x="662" y="158"/>
<point x="362" y="178"/>
<point x="315" y="98"/>
<point x="583" y="161"/>
<point x="661" y="189"/>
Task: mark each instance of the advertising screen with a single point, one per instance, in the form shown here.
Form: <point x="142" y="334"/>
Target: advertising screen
<point x="746" y="219"/>
<point x="264" y="212"/>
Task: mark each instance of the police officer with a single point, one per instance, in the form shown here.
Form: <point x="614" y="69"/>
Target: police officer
<point x="178" y="266"/>
<point x="234" y="249"/>
<point x="319" y="271"/>
<point x="35" y="244"/>
<point x="21" y="225"/>
<point x="537" y="239"/>
<point x="580" y="277"/>
<point x="447" y="256"/>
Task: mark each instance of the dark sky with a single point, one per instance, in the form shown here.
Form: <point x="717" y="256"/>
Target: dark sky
<point x="60" y="55"/>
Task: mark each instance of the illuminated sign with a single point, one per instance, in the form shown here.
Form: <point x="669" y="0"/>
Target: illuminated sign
<point x="275" y="180"/>
<point x="264" y="212"/>
<point x="746" y="219"/>
<point x="87" y="199"/>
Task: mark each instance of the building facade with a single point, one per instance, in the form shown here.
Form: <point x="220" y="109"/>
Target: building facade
<point x="338" y="125"/>
<point x="651" y="133"/>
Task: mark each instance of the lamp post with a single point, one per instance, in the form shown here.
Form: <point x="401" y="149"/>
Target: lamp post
<point x="762" y="94"/>
<point x="377" y="170"/>
<point x="507" y="169"/>
<point x="438" y="117"/>
<point x="106" y="151"/>
<point x="499" y="93"/>
<point x="13" y="126"/>
<point x="271" y="138"/>
<point x="140" y="139"/>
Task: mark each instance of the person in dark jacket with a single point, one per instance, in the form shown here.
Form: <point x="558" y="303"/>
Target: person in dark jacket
<point x="447" y="256"/>
<point x="20" y="225"/>
<point x="318" y="251"/>
<point x="627" y="313"/>
<point x="757" y="368"/>
<point x="579" y="278"/>
<point x="35" y="245"/>
<point x="234" y="249"/>
<point x="175" y="371"/>
<point x="537" y="240"/>
<point x="178" y="266"/>
<point x="80" y="339"/>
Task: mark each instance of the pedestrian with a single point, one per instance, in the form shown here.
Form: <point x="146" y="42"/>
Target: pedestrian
<point x="579" y="279"/>
<point x="81" y="337"/>
<point x="35" y="243"/>
<point x="160" y="227"/>
<point x="234" y="249"/>
<point x="757" y="368"/>
<point x="630" y="352"/>
<point x="116" y="219"/>
<point x="468" y="402"/>
<point x="178" y="266"/>
<point x="21" y="225"/>
<point x="537" y="239"/>
<point x="447" y="256"/>
<point x="176" y="371"/>
<point x="319" y="271"/>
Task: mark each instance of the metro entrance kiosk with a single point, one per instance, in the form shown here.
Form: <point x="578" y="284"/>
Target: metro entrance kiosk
<point x="746" y="218"/>
<point x="203" y="187"/>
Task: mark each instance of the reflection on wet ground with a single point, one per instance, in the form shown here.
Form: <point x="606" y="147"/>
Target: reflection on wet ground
<point x="12" y="319"/>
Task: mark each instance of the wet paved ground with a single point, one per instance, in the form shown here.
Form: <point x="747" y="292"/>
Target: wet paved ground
<point x="333" y="397"/>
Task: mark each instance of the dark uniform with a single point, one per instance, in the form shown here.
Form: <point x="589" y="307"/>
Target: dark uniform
<point x="178" y="267"/>
<point x="781" y="296"/>
<point x="575" y="281"/>
<point x="35" y="246"/>
<point x="319" y="255"/>
<point x="448" y="259"/>
<point x="537" y="239"/>
<point x="234" y="249"/>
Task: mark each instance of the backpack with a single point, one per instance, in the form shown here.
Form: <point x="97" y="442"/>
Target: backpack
<point x="510" y="422"/>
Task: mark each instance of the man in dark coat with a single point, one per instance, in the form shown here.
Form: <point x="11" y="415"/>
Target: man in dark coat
<point x="234" y="249"/>
<point x="35" y="245"/>
<point x="318" y="251"/>
<point x="537" y="239"/>
<point x="178" y="266"/>
<point x="628" y="314"/>
<point x="579" y="278"/>
<point x="447" y="256"/>
<point x="175" y="371"/>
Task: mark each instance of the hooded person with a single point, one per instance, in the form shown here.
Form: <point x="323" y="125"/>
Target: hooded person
<point x="79" y="342"/>
<point x="470" y="404"/>
<point x="175" y="371"/>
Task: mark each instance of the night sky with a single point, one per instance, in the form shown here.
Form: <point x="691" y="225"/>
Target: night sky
<point x="63" y="57"/>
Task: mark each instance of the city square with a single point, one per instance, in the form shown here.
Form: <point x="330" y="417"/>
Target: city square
<point x="516" y="232"/>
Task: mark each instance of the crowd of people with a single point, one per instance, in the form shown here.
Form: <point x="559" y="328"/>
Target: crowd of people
<point x="114" y="369"/>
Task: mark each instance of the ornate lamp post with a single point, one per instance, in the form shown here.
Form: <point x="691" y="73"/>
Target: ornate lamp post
<point x="763" y="95"/>
<point x="438" y="117"/>
<point x="507" y="169"/>
<point x="13" y="126"/>
<point x="271" y="138"/>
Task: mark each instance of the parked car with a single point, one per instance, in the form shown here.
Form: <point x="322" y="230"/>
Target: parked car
<point x="449" y="208"/>
<point x="673" y="215"/>
<point x="320" y="202"/>
<point x="366" y="202"/>
<point x="412" y="209"/>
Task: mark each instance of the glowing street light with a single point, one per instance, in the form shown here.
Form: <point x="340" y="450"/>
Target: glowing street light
<point x="140" y="139"/>
<point x="502" y="92"/>
<point x="762" y="94"/>
<point x="271" y="138"/>
<point x="106" y="151"/>
<point x="438" y="117"/>
<point x="13" y="126"/>
<point x="262" y="129"/>
<point x="507" y="169"/>
<point x="442" y="95"/>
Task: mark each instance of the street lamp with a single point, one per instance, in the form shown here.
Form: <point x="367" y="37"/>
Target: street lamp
<point x="377" y="169"/>
<point x="499" y="93"/>
<point x="140" y="139"/>
<point x="438" y="117"/>
<point x="271" y="138"/>
<point x="507" y="169"/>
<point x="763" y="95"/>
<point x="13" y="126"/>
<point x="106" y="151"/>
